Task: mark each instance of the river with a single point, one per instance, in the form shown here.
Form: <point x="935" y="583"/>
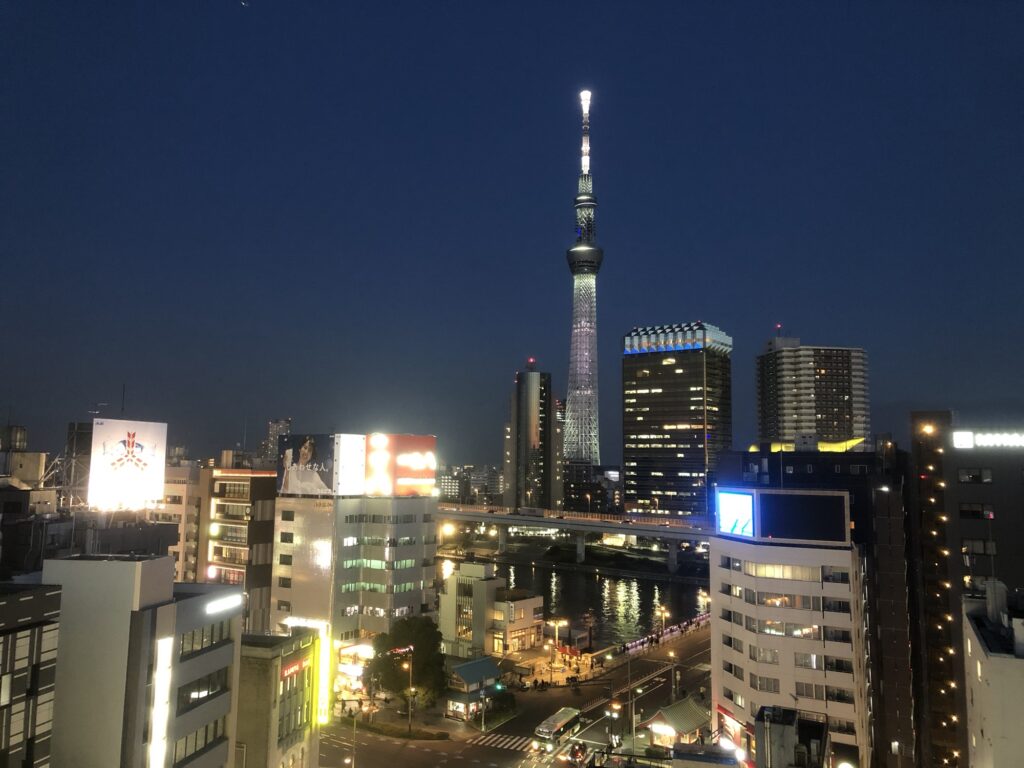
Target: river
<point x="624" y="608"/>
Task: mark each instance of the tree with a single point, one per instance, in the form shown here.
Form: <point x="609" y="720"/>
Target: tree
<point x="428" y="675"/>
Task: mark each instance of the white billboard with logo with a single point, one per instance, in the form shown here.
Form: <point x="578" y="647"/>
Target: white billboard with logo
<point x="127" y="467"/>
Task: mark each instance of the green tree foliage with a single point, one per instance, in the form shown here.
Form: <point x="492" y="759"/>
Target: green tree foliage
<point x="428" y="675"/>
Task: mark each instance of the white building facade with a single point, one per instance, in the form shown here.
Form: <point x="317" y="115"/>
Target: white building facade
<point x="147" y="668"/>
<point x="994" y="661"/>
<point x="787" y="618"/>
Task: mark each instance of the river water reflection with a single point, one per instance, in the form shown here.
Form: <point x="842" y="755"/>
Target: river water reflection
<point x="624" y="608"/>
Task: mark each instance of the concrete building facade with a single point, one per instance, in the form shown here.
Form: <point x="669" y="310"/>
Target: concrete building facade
<point x="277" y="708"/>
<point x="147" y="669"/>
<point x="478" y="615"/>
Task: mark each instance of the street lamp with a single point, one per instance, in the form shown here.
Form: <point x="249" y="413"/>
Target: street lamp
<point x="663" y="612"/>
<point x="556" y="623"/>
<point x="612" y="714"/>
<point x="633" y="693"/>
<point x="588" y="503"/>
<point x="412" y="691"/>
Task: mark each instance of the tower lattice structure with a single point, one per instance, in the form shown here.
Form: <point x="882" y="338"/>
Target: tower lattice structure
<point x="581" y="409"/>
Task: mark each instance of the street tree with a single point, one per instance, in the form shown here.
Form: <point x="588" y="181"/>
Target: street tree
<point x="428" y="676"/>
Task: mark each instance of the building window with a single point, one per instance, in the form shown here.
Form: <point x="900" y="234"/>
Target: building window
<point x="284" y="605"/>
<point x="764" y="655"/>
<point x="285" y="559"/>
<point x="837" y="635"/>
<point x="977" y="547"/>
<point x="767" y="684"/>
<point x="205" y="637"/>
<point x="810" y="691"/>
<point x="208" y="735"/>
<point x="287" y="537"/>
<point x="842" y="695"/>
<point x="200" y="690"/>
<point x="977" y="512"/>
<point x="834" y="575"/>
<point x="974" y="476"/>
<point x="287" y="515"/>
<point x="284" y="582"/>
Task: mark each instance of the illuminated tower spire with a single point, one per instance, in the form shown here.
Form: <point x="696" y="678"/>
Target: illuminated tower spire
<point x="581" y="423"/>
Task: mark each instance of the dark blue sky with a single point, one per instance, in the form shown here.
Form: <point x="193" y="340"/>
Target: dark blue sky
<point x="357" y="214"/>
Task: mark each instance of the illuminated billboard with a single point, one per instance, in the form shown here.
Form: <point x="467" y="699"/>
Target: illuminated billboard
<point x="736" y="513"/>
<point x="305" y="465"/>
<point x="127" y="465"/>
<point x="400" y="465"/>
<point x="350" y="465"/>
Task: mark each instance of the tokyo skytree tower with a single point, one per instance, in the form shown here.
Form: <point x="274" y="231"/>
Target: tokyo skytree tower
<point x="581" y="427"/>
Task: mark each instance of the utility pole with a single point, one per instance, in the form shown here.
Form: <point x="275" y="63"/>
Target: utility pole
<point x="483" y="708"/>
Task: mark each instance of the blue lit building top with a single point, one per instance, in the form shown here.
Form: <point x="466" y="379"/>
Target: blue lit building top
<point x="678" y="337"/>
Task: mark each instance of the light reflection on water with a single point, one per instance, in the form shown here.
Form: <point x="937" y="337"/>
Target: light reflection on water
<point x="624" y="608"/>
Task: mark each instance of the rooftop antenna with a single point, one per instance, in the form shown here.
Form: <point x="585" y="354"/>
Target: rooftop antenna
<point x="778" y="330"/>
<point x="124" y="394"/>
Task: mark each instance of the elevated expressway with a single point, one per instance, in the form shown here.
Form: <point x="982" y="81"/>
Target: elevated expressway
<point x="669" y="530"/>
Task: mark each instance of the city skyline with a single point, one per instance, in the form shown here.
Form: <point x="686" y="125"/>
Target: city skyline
<point x="152" y="211"/>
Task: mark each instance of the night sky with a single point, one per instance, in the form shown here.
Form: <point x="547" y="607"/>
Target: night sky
<point x="357" y="214"/>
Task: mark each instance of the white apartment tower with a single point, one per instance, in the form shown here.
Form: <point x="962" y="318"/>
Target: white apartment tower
<point x="812" y="393"/>
<point x="787" y="617"/>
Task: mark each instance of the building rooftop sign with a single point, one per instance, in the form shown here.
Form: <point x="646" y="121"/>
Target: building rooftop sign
<point x="967" y="439"/>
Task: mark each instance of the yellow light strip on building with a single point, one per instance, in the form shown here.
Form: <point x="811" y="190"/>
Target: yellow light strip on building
<point x="324" y="677"/>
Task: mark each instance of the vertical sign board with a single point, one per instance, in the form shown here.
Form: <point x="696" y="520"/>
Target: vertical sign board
<point x="350" y="465"/>
<point x="127" y="465"/>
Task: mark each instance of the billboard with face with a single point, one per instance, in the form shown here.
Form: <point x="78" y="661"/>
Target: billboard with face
<point x="400" y="465"/>
<point x="127" y="464"/>
<point x="305" y="465"/>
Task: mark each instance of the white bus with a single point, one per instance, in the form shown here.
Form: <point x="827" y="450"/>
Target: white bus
<point x="554" y="731"/>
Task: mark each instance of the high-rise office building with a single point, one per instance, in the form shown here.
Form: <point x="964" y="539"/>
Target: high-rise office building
<point x="276" y="429"/>
<point x="147" y="669"/>
<point x="582" y="441"/>
<point x="966" y="497"/>
<point x="676" y="415"/>
<point x="29" y="626"/>
<point x="812" y="393"/>
<point x="533" y="455"/>
<point x="788" y="627"/>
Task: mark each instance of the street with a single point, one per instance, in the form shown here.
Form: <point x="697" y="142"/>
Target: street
<point x="508" y="745"/>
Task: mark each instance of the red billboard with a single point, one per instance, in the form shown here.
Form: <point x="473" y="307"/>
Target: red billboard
<point x="401" y="465"/>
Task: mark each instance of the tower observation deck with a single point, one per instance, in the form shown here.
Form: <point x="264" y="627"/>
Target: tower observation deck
<point x="581" y="408"/>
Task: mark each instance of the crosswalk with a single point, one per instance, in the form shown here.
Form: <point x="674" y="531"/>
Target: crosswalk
<point x="501" y="741"/>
